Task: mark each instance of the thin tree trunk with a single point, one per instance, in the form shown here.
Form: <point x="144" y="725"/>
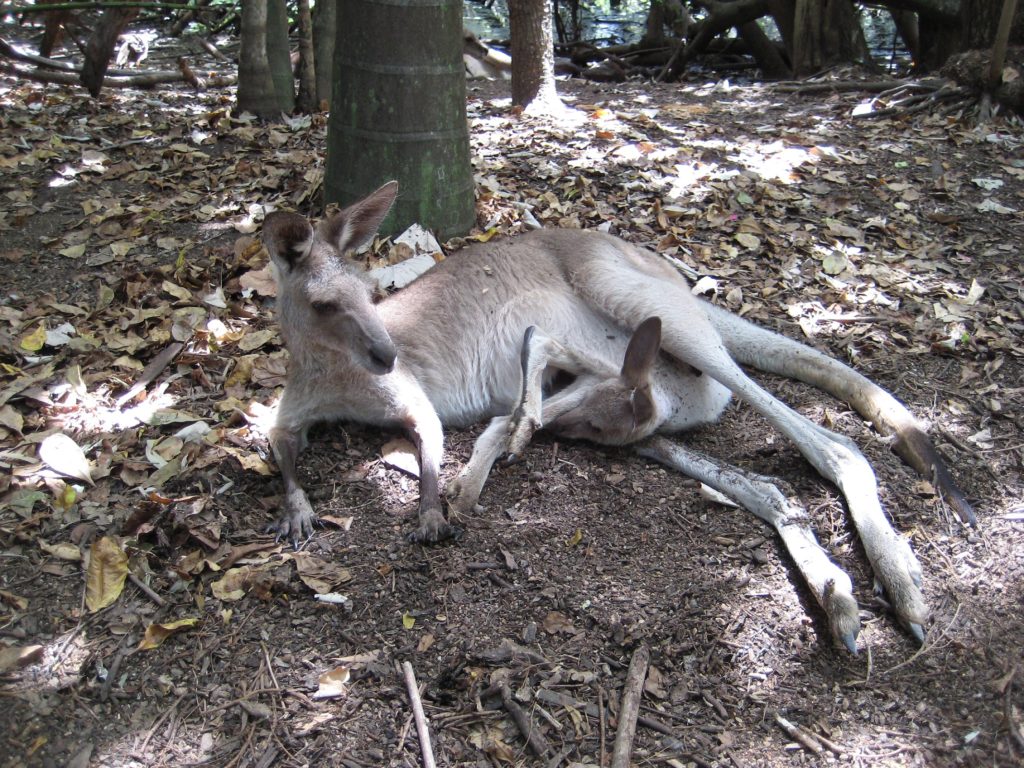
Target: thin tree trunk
<point x="255" y="85"/>
<point x="279" y="55"/>
<point x="533" y="55"/>
<point x="766" y="53"/>
<point x="100" y="48"/>
<point x="325" y="30"/>
<point x="826" y="32"/>
<point x="307" y="102"/>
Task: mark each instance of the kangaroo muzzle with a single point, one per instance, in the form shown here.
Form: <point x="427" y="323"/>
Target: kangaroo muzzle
<point x="382" y="356"/>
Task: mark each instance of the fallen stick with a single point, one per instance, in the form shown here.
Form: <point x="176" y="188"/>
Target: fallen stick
<point x="146" y="589"/>
<point x="798" y="734"/>
<point x="151" y="371"/>
<point x="562" y="700"/>
<point x="629" y="709"/>
<point x="534" y="738"/>
<point x="417" y="712"/>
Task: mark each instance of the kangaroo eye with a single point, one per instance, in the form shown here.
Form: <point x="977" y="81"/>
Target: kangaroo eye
<point x="324" y="307"/>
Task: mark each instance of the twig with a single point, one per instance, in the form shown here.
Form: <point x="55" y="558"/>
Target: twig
<point x="534" y="738"/>
<point x="146" y="589"/>
<point x="798" y="734"/>
<point x="601" y="725"/>
<point x="421" y="721"/>
<point x="630" y="707"/>
<point x="151" y="371"/>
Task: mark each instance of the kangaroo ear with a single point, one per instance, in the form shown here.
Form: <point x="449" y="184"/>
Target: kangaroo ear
<point x="288" y="237"/>
<point x="351" y="228"/>
<point x="642" y="353"/>
<point x="643" y="405"/>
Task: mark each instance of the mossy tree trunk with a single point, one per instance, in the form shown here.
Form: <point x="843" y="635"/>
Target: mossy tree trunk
<point x="398" y="111"/>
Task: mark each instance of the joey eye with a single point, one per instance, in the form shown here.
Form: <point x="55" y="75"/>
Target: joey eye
<point x="324" y="307"/>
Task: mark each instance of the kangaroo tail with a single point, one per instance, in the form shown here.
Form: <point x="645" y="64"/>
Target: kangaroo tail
<point x="767" y="351"/>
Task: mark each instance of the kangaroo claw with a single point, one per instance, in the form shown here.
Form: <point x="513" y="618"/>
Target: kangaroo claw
<point x="297" y="523"/>
<point x="898" y="577"/>
<point x="434" y="528"/>
<point x="850" y="641"/>
<point x="436" y="534"/>
<point x="917" y="631"/>
<point x="843" y="613"/>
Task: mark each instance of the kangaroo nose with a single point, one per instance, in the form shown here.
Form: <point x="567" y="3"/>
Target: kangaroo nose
<point x="383" y="355"/>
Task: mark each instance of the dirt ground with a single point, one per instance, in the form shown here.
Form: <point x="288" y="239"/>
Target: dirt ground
<point x="870" y="235"/>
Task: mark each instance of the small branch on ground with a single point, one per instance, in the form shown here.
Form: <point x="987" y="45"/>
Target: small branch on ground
<point x="143" y="80"/>
<point x="806" y="740"/>
<point x="421" y="720"/>
<point x="534" y="738"/>
<point x="629" y="709"/>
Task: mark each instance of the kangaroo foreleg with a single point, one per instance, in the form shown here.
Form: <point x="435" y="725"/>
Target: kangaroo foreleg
<point x="464" y="491"/>
<point x="829" y="584"/>
<point x="765" y="350"/>
<point x="297" y="519"/>
<point x="424" y="428"/>
<point x="539" y="355"/>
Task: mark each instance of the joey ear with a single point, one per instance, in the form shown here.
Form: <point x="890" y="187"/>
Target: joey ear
<point x="643" y="405"/>
<point x="351" y="228"/>
<point x="287" y="236"/>
<point x="642" y="352"/>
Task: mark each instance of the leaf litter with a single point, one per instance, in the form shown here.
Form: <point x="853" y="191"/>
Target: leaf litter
<point x="139" y="377"/>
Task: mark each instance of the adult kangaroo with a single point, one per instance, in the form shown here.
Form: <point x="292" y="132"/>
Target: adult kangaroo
<point x="449" y="349"/>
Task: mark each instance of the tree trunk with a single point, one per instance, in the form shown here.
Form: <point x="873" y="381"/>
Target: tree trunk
<point x="100" y="48"/>
<point x="661" y="15"/>
<point x="766" y="53"/>
<point x="826" y="32"/>
<point x="307" y="102"/>
<point x="533" y="55"/>
<point x="54" y="30"/>
<point x="255" y="85"/>
<point x="399" y="112"/>
<point x="947" y="29"/>
<point x="325" y="30"/>
<point x="279" y="55"/>
<point x="979" y="20"/>
<point x="907" y="26"/>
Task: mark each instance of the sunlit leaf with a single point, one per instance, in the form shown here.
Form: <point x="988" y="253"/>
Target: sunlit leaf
<point x="63" y="455"/>
<point x="63" y="550"/>
<point x="34" y="340"/>
<point x="332" y="684"/>
<point x="401" y="454"/>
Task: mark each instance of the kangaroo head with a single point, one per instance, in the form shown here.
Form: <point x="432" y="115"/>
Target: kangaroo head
<point x="324" y="300"/>
<point x="620" y="409"/>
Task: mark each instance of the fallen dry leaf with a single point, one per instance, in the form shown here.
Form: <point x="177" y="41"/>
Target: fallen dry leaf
<point x="105" y="574"/>
<point x="63" y="455"/>
<point x="157" y="633"/>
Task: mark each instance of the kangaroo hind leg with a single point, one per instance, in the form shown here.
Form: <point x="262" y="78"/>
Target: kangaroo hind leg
<point x="829" y="584"/>
<point x="768" y="351"/>
<point x="688" y="335"/>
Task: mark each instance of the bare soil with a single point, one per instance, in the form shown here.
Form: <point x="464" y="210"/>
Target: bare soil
<point x="581" y="554"/>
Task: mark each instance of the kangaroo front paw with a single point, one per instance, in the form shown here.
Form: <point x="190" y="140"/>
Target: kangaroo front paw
<point x="462" y="494"/>
<point x="298" y="520"/>
<point x="434" y="528"/>
<point x="520" y="433"/>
